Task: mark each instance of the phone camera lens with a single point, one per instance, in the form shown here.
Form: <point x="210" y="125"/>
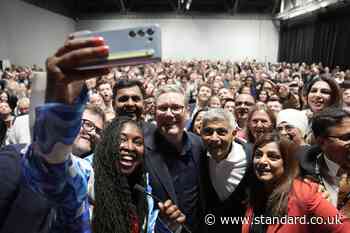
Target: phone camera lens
<point x="132" y="34"/>
<point x="150" y="39"/>
<point x="150" y="31"/>
<point x="141" y="33"/>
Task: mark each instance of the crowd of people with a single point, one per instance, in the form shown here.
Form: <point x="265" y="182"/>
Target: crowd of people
<point x="199" y="137"/>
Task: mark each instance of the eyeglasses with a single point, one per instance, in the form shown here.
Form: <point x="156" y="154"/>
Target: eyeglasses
<point x="210" y="131"/>
<point x="89" y="126"/>
<point x="344" y="137"/>
<point x="175" y="109"/>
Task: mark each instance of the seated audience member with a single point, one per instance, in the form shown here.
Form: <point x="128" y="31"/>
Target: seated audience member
<point x="292" y="123"/>
<point x="276" y="192"/>
<point x="261" y="120"/>
<point x="214" y="102"/>
<point x="244" y="104"/>
<point x="328" y="160"/>
<point x="118" y="168"/>
<point x="224" y="171"/>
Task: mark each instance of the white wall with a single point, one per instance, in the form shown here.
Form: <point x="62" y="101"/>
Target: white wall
<point x="29" y="34"/>
<point x="213" y="38"/>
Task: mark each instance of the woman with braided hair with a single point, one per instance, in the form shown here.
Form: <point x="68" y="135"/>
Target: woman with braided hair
<point x="118" y="165"/>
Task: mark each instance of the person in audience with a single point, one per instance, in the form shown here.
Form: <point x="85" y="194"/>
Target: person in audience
<point x="244" y="104"/>
<point x="96" y="99"/>
<point x="229" y="105"/>
<point x="276" y="192"/>
<point x="197" y="120"/>
<point x="274" y="105"/>
<point x="225" y="93"/>
<point x="23" y="106"/>
<point x="105" y="89"/>
<point x="346" y="98"/>
<point x="204" y="92"/>
<point x="224" y="170"/>
<point x="328" y="161"/>
<point x="261" y="120"/>
<point x="172" y="156"/>
<point x="263" y="96"/>
<point x="292" y="124"/>
<point x="214" y="102"/>
<point x="320" y="93"/>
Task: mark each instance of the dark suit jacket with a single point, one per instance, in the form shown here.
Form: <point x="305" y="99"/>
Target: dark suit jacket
<point x="234" y="206"/>
<point x="307" y="156"/>
<point x="21" y="209"/>
<point x="160" y="178"/>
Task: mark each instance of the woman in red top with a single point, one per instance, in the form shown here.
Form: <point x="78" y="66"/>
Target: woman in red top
<point x="280" y="202"/>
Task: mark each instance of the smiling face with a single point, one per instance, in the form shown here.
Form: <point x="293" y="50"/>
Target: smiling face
<point x="129" y="102"/>
<point x="259" y="124"/>
<point x="204" y="93"/>
<point x="268" y="163"/>
<point x="319" y="96"/>
<point x="218" y="136"/>
<point x="90" y="129"/>
<point x="106" y="92"/>
<point x="244" y="103"/>
<point x="171" y="115"/>
<point x="131" y="148"/>
<point x="198" y="123"/>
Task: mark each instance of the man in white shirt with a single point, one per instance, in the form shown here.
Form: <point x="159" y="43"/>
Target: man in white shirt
<point x="330" y="158"/>
<point x="225" y="169"/>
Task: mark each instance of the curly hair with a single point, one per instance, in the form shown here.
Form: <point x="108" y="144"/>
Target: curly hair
<point x="115" y="203"/>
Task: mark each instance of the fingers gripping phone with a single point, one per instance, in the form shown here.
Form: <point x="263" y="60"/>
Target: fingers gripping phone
<point x="131" y="46"/>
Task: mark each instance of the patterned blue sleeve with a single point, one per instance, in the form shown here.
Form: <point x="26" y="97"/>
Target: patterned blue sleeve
<point x="49" y="169"/>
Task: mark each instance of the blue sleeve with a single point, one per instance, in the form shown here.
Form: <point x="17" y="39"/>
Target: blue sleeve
<point x="48" y="167"/>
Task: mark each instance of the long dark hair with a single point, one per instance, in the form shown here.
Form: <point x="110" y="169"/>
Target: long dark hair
<point x="275" y="203"/>
<point x="335" y="94"/>
<point x="116" y="204"/>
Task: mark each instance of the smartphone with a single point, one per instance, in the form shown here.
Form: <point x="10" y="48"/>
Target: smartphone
<point x="131" y="46"/>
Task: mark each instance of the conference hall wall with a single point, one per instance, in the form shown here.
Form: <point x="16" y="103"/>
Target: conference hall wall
<point x="234" y="38"/>
<point x="29" y="34"/>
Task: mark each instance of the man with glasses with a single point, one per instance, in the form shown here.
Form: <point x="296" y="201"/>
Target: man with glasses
<point x="93" y="121"/>
<point x="329" y="160"/>
<point x="224" y="170"/>
<point x="244" y="104"/>
<point x="172" y="156"/>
